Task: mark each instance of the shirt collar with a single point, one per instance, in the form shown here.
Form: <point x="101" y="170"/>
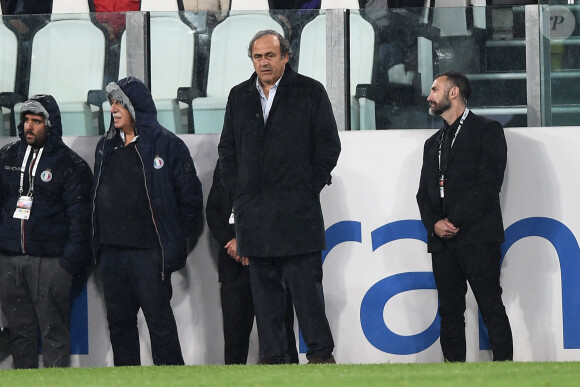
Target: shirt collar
<point x="122" y="134"/>
<point x="455" y="123"/>
<point x="259" y="87"/>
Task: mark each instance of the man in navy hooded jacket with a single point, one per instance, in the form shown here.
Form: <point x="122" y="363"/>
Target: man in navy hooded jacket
<point x="44" y="234"/>
<point x="147" y="199"/>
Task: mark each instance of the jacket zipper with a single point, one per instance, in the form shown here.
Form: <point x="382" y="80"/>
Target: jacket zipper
<point x="22" y="237"/>
<point x="153" y="216"/>
<point x="93" y="215"/>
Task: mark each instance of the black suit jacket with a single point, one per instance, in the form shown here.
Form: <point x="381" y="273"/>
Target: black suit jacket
<point x="275" y="171"/>
<point x="218" y="211"/>
<point x="473" y="180"/>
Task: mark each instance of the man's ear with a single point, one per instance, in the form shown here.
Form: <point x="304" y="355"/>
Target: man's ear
<point x="454" y="92"/>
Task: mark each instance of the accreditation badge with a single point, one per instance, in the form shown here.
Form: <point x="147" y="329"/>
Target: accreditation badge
<point x="441" y="186"/>
<point x="23" y="206"/>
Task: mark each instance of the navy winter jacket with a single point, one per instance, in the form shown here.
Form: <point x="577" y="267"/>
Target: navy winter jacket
<point x="172" y="185"/>
<point x="59" y="223"/>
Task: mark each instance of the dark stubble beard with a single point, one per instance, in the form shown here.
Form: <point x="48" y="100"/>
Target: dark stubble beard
<point x="439" y="108"/>
<point x="39" y="139"/>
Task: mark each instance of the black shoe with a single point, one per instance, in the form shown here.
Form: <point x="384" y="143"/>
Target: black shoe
<point x="320" y="360"/>
<point x="274" y="361"/>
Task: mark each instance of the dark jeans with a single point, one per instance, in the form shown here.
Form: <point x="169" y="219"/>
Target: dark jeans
<point x="302" y="274"/>
<point x="132" y="280"/>
<point x="34" y="292"/>
<point x="238" y="318"/>
<point x="480" y="266"/>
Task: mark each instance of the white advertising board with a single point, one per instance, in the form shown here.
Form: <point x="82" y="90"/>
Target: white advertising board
<point x="380" y="296"/>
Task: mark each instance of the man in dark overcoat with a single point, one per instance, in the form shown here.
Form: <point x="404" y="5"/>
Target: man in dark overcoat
<point x="458" y="197"/>
<point x="278" y="146"/>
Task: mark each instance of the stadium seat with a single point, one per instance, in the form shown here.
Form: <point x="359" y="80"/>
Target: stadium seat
<point x="460" y="45"/>
<point x="70" y="6"/>
<point x="253" y="5"/>
<point x="8" y="67"/>
<point x="450" y="16"/>
<point x="312" y="62"/>
<point x="339" y="4"/>
<point x="228" y="65"/>
<point x="68" y="60"/>
<point x="173" y="45"/>
<point x="159" y="5"/>
<point x="498" y="91"/>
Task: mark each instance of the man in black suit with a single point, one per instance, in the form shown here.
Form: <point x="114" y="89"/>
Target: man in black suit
<point x="278" y="146"/>
<point x="458" y="197"/>
<point x="234" y="276"/>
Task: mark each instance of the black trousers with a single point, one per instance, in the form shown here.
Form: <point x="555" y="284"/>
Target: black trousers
<point x="34" y="292"/>
<point x="302" y="275"/>
<point x="238" y="319"/>
<point x="479" y="265"/>
<point x="132" y="280"/>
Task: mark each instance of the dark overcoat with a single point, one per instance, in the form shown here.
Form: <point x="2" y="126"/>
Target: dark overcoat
<point x="217" y="213"/>
<point x="275" y="171"/>
<point x="473" y="180"/>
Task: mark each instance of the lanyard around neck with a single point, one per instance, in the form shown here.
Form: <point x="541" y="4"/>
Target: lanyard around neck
<point x="465" y="113"/>
<point x="35" y="160"/>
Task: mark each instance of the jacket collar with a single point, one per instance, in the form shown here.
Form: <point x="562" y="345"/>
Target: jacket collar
<point x="460" y="136"/>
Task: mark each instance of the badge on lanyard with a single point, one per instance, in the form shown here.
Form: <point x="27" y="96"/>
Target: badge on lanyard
<point x="441" y="178"/>
<point x="24" y="202"/>
<point x="232" y="217"/>
<point x="23" y="206"/>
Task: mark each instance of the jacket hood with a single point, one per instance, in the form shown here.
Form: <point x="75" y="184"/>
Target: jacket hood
<point x="142" y="102"/>
<point x="45" y="105"/>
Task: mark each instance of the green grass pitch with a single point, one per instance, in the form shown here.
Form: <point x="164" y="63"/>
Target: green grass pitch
<point x="441" y="374"/>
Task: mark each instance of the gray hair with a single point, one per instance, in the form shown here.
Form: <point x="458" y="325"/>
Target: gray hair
<point x="284" y="43"/>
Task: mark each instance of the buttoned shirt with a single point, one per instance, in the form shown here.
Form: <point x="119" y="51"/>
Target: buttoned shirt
<point x="267" y="101"/>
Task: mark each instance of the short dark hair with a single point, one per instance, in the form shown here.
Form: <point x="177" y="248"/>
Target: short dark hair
<point x="284" y="43"/>
<point x="460" y="80"/>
